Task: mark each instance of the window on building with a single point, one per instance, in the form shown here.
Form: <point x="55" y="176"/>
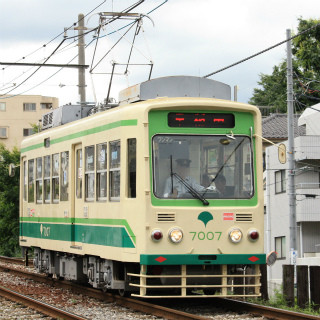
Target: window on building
<point x="101" y="172"/>
<point x="132" y="164"/>
<point x="89" y="173"/>
<point x="3" y="132"/>
<point x="280" y="181"/>
<point x="39" y="180"/>
<point x="31" y="181"/>
<point x="45" y="105"/>
<point x="29" y="107"/>
<point x="2" y="106"/>
<point x="27" y="132"/>
<point x="114" y="181"/>
<point x="55" y="177"/>
<point x="64" y="176"/>
<point x="280" y="247"/>
<point x="46" y="179"/>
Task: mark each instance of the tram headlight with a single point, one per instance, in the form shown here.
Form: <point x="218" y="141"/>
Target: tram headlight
<point x="156" y="235"/>
<point x="175" y="235"/>
<point x="235" y="235"/>
<point x="253" y="235"/>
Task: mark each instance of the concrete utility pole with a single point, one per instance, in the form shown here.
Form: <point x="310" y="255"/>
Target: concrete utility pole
<point x="81" y="59"/>
<point x="291" y="161"/>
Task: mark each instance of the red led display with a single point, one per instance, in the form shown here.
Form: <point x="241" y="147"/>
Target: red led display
<point x="201" y="120"/>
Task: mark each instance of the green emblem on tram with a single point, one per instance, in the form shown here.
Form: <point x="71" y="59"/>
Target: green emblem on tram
<point x="205" y="217"/>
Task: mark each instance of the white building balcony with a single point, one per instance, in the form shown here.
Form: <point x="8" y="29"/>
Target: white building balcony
<point x="307" y="147"/>
<point x="308" y="202"/>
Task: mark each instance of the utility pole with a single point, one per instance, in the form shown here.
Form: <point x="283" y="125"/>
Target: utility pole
<point x="291" y="161"/>
<point x="81" y="59"/>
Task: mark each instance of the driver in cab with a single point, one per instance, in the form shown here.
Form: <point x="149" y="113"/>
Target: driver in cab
<point x="174" y="188"/>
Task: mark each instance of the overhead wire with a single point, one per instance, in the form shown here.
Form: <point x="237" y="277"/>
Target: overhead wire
<point x="68" y="38"/>
<point x="261" y="52"/>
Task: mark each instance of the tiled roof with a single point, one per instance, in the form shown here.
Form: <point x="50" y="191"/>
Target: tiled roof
<point x="275" y="126"/>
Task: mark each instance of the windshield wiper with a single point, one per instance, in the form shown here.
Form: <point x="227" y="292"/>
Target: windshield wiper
<point x="193" y="192"/>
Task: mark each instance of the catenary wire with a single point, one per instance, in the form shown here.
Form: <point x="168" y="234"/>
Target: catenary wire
<point x="261" y="52"/>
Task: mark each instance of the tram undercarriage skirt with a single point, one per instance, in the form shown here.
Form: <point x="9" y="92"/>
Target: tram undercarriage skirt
<point x="242" y="283"/>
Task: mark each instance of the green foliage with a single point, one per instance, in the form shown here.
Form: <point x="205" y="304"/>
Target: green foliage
<point x="9" y="203"/>
<point x="306" y="69"/>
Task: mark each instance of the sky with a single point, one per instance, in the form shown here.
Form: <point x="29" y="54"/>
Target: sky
<point x="180" y="37"/>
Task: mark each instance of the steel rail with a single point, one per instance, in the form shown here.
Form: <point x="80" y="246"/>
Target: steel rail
<point x="168" y="313"/>
<point x="40" y="306"/>
<point x="137" y="305"/>
<point x="266" y="311"/>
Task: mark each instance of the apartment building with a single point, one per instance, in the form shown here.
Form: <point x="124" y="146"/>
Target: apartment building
<point x="18" y="114"/>
<point x="307" y="194"/>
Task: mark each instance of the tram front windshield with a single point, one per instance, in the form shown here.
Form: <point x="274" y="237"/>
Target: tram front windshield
<point x="212" y="166"/>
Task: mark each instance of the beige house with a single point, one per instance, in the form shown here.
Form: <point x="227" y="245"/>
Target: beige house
<point x="17" y="114"/>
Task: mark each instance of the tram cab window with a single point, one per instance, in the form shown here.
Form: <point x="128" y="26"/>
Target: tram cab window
<point x="132" y="163"/>
<point x="46" y="179"/>
<point x="55" y="177"/>
<point x="64" y="195"/>
<point x="216" y="166"/>
<point x="101" y="171"/>
<point x="89" y="173"/>
<point x="79" y="173"/>
<point x="114" y="171"/>
<point x="31" y="181"/>
<point x="39" y="182"/>
<point x="25" y="180"/>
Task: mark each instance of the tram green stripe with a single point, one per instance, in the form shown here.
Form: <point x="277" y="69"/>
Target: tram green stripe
<point x="205" y="259"/>
<point x="105" y="127"/>
<point x="98" y="235"/>
<point x="79" y="221"/>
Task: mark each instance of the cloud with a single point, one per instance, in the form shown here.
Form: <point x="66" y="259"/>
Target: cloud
<point x="189" y="38"/>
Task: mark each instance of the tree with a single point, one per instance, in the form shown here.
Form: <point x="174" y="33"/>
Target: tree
<point x="9" y="203"/>
<point x="306" y="70"/>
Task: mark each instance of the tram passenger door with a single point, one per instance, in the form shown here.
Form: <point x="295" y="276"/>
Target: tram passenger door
<point x="77" y="191"/>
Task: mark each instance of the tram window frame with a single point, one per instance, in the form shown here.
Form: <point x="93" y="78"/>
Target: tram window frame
<point x="31" y="177"/>
<point x="89" y="173"/>
<point x="132" y="165"/>
<point x="64" y="176"/>
<point x="102" y="171"/>
<point x="47" y="179"/>
<point x="25" y="181"/>
<point x="114" y="170"/>
<point x="55" y="177"/>
<point x="39" y="180"/>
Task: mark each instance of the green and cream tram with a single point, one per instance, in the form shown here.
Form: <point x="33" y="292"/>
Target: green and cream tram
<point x="160" y="196"/>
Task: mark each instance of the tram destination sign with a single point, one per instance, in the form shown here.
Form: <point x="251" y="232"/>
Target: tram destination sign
<point x="201" y="120"/>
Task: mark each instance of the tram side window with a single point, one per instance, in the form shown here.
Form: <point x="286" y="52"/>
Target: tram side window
<point x="101" y="171"/>
<point x="46" y="179"/>
<point x="25" y="180"/>
<point x="89" y="173"/>
<point x="64" y="195"/>
<point x="55" y="177"/>
<point x="31" y="181"/>
<point x="114" y="180"/>
<point x="132" y="164"/>
<point x="39" y="180"/>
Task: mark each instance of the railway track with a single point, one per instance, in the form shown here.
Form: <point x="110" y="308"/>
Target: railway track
<point x="39" y="306"/>
<point x="167" y="308"/>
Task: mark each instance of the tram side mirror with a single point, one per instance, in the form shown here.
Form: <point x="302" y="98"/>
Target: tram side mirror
<point x="12" y="170"/>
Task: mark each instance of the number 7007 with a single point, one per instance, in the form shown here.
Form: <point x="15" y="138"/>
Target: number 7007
<point x="206" y="236"/>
